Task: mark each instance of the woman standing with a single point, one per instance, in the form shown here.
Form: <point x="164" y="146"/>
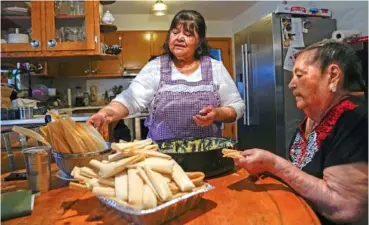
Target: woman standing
<point x="188" y="94"/>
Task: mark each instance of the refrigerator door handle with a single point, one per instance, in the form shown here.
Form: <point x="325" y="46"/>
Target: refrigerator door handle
<point x="245" y="122"/>
<point x="246" y="93"/>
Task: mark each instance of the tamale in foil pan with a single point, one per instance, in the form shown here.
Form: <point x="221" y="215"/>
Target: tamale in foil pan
<point x="161" y="213"/>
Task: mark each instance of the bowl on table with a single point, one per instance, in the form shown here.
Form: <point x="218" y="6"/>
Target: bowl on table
<point x="66" y="162"/>
<point x="200" y="154"/>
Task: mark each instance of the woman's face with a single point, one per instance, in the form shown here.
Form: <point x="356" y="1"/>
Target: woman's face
<point x="310" y="86"/>
<point x="183" y="43"/>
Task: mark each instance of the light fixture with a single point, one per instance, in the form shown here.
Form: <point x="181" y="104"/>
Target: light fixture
<point x="159" y="8"/>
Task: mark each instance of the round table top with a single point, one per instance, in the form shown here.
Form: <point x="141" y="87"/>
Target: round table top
<point x="236" y="199"/>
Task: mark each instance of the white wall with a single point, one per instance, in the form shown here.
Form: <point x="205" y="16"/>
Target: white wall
<point x="151" y="22"/>
<point x="350" y="15"/>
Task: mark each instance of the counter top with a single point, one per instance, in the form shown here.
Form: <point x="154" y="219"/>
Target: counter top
<point x="236" y="199"/>
<point x="80" y="118"/>
<point x="65" y="110"/>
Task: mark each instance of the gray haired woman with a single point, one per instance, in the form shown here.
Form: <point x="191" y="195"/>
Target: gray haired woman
<point x="188" y="94"/>
<point x="328" y="157"/>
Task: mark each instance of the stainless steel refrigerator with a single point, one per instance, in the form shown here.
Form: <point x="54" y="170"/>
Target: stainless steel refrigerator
<point x="271" y="116"/>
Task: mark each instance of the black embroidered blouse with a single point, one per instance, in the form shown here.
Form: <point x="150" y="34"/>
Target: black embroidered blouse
<point x="342" y="137"/>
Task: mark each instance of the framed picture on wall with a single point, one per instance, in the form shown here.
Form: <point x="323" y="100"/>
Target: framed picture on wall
<point x="216" y="53"/>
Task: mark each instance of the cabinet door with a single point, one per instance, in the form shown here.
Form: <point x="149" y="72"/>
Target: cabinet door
<point x="224" y="45"/>
<point x="158" y="39"/>
<point x="110" y="67"/>
<point x="68" y="69"/>
<point x="21" y="26"/>
<point x="70" y="25"/>
<point x="136" y="49"/>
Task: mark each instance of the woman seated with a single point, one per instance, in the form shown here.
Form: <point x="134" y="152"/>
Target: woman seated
<point x="328" y="156"/>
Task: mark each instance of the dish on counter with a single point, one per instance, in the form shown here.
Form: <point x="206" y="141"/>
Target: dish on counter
<point x="62" y="176"/>
<point x="15" y="11"/>
<point x="141" y="183"/>
<point x="200" y="154"/>
<point x="194" y="144"/>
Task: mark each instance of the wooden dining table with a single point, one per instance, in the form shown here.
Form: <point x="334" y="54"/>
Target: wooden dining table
<point x="237" y="199"/>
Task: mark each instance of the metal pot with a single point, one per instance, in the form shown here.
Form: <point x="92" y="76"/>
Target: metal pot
<point x="66" y="162"/>
<point x="199" y="154"/>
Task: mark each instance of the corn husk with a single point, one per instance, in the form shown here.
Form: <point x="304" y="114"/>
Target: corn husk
<point x="135" y="188"/>
<point x="159" y="184"/>
<point x="159" y="164"/>
<point x="149" y="198"/>
<point x="121" y="186"/>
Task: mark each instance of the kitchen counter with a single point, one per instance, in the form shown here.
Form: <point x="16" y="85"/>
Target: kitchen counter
<point x="79" y="118"/>
<point x="236" y="199"/>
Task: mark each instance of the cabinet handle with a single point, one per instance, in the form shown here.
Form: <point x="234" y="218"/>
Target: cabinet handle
<point x="87" y="71"/>
<point x="51" y="43"/>
<point x="94" y="71"/>
<point x="35" y="43"/>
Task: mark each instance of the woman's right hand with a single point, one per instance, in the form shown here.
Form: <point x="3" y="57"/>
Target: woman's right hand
<point x="256" y="161"/>
<point x="99" y="120"/>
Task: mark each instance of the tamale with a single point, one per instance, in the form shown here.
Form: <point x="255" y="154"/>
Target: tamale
<point x="110" y="169"/>
<point x="149" y="198"/>
<point x="121" y="186"/>
<point x="159" y="184"/>
<point x="135" y="188"/>
<point x="160" y="165"/>
<point x="181" y="179"/>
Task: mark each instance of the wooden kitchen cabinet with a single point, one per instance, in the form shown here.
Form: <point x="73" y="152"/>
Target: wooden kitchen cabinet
<point x="69" y="25"/>
<point x="55" y="29"/>
<point x="102" y="68"/>
<point x="73" y="69"/>
<point x="136" y="49"/>
<point x="28" y="25"/>
<point x="157" y="41"/>
<point x="111" y="67"/>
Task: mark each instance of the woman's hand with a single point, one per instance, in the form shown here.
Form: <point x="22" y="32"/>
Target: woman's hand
<point x="112" y="112"/>
<point x="206" y="117"/>
<point x="99" y="120"/>
<point x="256" y="161"/>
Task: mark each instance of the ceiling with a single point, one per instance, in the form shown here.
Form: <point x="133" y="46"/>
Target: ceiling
<point x="211" y="10"/>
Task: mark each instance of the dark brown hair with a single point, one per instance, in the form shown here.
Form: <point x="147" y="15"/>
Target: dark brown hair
<point x="192" y="21"/>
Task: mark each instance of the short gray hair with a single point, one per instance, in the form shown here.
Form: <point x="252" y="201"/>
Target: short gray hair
<point x="330" y="51"/>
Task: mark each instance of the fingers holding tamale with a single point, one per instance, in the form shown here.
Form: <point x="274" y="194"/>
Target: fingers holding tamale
<point x="230" y="153"/>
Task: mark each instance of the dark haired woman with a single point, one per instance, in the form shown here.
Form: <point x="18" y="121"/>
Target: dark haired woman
<point x="188" y="93"/>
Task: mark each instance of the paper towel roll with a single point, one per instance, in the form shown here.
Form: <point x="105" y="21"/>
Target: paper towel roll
<point x="341" y="35"/>
<point x="69" y="94"/>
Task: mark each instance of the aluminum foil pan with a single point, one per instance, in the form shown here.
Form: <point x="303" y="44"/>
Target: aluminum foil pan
<point x="161" y="213"/>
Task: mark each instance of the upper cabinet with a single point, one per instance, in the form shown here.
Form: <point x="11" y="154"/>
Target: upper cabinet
<point x="136" y="49"/>
<point x="20" y="26"/>
<point x="111" y="67"/>
<point x="70" y="25"/>
<point x="139" y="46"/>
<point x="36" y="29"/>
<point x="158" y="40"/>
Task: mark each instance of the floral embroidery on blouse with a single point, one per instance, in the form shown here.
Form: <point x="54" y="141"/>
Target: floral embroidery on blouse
<point x="303" y="150"/>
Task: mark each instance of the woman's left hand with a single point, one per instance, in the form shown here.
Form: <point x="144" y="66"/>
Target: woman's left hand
<point x="206" y="117"/>
<point x="256" y="161"/>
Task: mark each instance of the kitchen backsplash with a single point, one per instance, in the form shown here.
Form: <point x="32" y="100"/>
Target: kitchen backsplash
<point x="62" y="84"/>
